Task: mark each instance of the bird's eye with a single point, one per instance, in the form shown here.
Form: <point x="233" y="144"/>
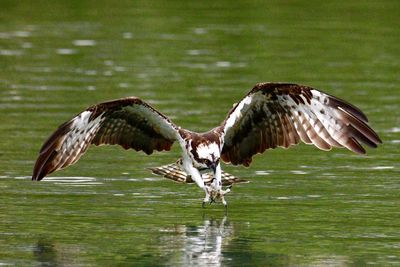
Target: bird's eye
<point x="207" y="162"/>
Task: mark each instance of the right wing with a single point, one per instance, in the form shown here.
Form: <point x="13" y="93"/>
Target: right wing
<point x="128" y="122"/>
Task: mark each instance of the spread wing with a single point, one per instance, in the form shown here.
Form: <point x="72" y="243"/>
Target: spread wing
<point x="280" y="115"/>
<point x="128" y="122"/>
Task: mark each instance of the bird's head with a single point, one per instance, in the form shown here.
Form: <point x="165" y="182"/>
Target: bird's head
<point x="205" y="151"/>
<point x="206" y="156"/>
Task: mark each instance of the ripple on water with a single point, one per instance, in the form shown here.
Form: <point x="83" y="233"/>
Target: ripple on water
<point x="297" y="197"/>
<point x="223" y="64"/>
<point x="153" y="179"/>
<point x="382" y="168"/>
<point x="298" y="172"/>
<point x="145" y="195"/>
<point x="197" y="52"/>
<point x="379" y="167"/>
<point x="127" y="35"/>
<point x="26" y="45"/>
<point x="66" y="51"/>
<point x="7" y="52"/>
<point x="200" y="31"/>
<point x="393" y="130"/>
<point x="84" y="42"/>
<point x="22" y="34"/>
<point x="73" y="181"/>
<point x="263" y="172"/>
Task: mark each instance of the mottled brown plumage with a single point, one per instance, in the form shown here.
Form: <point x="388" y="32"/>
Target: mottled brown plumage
<point x="271" y="115"/>
<point x="282" y="114"/>
<point x="126" y="122"/>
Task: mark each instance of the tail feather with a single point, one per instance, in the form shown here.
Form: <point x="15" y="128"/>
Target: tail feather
<point x="175" y="172"/>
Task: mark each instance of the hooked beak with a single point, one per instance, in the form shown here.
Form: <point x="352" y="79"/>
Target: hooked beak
<point x="213" y="166"/>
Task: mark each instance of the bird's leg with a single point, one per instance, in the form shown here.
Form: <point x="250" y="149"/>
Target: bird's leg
<point x="197" y="178"/>
<point x="217" y="178"/>
<point x="212" y="191"/>
<point x="223" y="193"/>
<point x="216" y="186"/>
<point x="207" y="197"/>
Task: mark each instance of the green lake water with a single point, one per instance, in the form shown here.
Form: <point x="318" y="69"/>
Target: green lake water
<point x="192" y="60"/>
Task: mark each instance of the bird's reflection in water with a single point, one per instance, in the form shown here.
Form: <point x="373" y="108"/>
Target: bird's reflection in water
<point x="45" y="253"/>
<point x="49" y="252"/>
<point x="201" y="245"/>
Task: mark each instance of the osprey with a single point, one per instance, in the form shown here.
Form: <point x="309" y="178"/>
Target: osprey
<point x="271" y="115"/>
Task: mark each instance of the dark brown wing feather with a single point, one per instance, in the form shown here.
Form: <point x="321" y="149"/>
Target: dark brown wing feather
<point x="128" y="122"/>
<point x="280" y="115"/>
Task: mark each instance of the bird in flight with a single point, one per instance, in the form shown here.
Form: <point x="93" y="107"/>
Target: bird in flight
<point x="271" y="115"/>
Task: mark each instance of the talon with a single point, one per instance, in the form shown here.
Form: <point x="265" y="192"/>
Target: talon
<point x="225" y="205"/>
<point x="226" y="191"/>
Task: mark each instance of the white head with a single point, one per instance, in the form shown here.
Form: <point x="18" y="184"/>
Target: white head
<point x="205" y="151"/>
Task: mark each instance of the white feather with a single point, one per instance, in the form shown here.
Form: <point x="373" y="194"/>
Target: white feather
<point x="206" y="150"/>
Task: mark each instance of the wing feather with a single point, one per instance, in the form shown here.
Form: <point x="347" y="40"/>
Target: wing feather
<point x="128" y="122"/>
<point x="281" y="115"/>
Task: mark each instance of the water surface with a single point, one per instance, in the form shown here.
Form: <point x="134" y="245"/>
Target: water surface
<point x="192" y="61"/>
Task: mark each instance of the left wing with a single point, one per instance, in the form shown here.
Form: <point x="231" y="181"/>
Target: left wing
<point x="128" y="122"/>
<point x="282" y="114"/>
